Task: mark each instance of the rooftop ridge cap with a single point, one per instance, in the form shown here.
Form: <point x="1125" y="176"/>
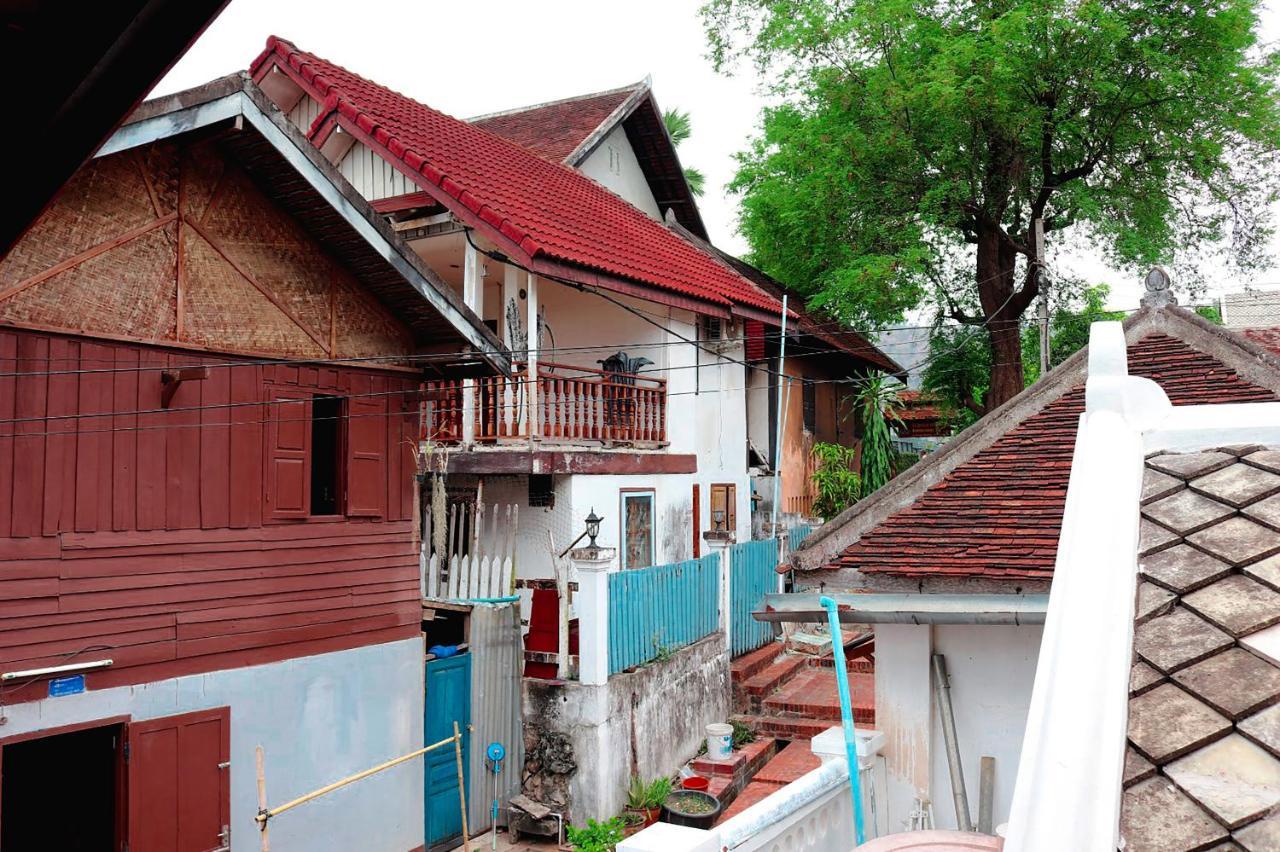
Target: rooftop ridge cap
<point x="557" y="102"/>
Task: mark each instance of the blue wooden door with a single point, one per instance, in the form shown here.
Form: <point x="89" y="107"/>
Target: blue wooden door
<point x="448" y="700"/>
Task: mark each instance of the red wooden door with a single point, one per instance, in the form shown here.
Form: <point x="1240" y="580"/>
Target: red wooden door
<point x="180" y="782"/>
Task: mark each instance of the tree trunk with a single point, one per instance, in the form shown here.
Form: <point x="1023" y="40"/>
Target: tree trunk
<point x="995" y="276"/>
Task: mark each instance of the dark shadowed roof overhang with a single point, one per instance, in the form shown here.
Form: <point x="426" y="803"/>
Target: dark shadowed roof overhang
<point x="294" y="174"/>
<point x="75" y="70"/>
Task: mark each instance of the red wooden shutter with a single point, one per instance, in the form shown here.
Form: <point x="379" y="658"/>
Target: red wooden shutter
<point x="697" y="521"/>
<point x="366" y="456"/>
<point x="179" y="789"/>
<point x="289" y="456"/>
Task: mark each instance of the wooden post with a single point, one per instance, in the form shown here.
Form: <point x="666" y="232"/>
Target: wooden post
<point x="462" y="788"/>
<point x="262" y="801"/>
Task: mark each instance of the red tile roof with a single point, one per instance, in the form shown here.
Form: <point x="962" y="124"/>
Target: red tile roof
<point x="555" y="130"/>
<point x="1268" y="338"/>
<point x="999" y="514"/>
<point x="546" y="209"/>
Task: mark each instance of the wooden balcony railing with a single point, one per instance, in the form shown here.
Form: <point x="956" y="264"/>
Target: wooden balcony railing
<point x="573" y="404"/>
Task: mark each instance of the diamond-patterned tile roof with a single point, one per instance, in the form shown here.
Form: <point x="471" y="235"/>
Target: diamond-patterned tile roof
<point x="1204" y="709"/>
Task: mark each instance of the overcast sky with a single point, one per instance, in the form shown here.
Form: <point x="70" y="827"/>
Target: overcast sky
<point x="476" y="57"/>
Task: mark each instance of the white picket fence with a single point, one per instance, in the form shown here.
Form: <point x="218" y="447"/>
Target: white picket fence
<point x="462" y="559"/>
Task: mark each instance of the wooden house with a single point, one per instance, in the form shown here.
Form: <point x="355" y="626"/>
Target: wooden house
<point x="211" y="355"/>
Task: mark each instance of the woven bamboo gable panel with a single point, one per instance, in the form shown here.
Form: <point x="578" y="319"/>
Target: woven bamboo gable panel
<point x="175" y="243"/>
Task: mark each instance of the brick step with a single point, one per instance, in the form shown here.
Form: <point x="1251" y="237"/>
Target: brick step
<point x="788" y="728"/>
<point x="814" y="695"/>
<point x="774" y="675"/>
<point x="750" y="795"/>
<point x="754" y="662"/>
<point x="795" y="760"/>
<point x="861" y="665"/>
<point x="742" y="762"/>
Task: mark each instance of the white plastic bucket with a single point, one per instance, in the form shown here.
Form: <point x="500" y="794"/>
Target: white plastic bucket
<point x="719" y="741"/>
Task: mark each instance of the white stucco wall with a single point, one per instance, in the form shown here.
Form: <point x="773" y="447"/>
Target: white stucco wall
<point x="992" y="671"/>
<point x="317" y="718"/>
<point x="614" y="164"/>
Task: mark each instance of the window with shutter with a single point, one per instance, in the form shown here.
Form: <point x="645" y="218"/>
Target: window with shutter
<point x="366" y="457"/>
<point x="289" y="461"/>
<point x="724" y="507"/>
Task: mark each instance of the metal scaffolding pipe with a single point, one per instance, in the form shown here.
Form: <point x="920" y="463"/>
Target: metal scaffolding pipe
<point x="942" y="694"/>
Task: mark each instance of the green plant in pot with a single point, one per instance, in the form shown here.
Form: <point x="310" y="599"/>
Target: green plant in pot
<point x="693" y="808"/>
<point x="597" y="836"/>
<point x="647" y="798"/>
<point x="633" y="821"/>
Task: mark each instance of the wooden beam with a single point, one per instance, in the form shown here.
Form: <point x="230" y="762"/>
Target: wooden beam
<point x="247" y="276"/>
<point x="86" y="255"/>
<point x="170" y="379"/>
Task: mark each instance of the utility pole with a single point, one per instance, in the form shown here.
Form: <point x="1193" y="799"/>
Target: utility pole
<point x="1042" y="281"/>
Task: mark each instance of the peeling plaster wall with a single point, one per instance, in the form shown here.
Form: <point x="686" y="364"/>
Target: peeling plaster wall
<point x="992" y="671"/>
<point x="648" y="722"/>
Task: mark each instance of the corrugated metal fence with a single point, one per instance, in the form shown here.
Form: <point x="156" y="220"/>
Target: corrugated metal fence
<point x="653" y="611"/>
<point x="753" y="566"/>
<point x="497" y="658"/>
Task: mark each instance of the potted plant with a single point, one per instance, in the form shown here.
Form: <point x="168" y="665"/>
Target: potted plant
<point x="632" y="821"/>
<point x="596" y="836"/>
<point x="647" y="799"/>
<point x="693" y="808"/>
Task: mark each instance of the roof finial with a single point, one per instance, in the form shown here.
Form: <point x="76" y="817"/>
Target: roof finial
<point x="1159" y="289"/>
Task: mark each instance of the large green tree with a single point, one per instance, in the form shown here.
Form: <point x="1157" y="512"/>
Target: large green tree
<point x="914" y="143"/>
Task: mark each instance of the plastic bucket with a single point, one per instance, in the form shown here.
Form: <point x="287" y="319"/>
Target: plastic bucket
<point x="719" y="741"/>
<point x="696" y="782"/>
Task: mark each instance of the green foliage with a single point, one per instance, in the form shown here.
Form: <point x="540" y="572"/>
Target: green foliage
<point x="680" y="128"/>
<point x="742" y="734"/>
<point x="1068" y="331"/>
<point x="596" y="836"/>
<point x="838" y="484"/>
<point x="878" y="405"/>
<point x="636" y="793"/>
<point x="913" y="144"/>
<point x="657" y="791"/>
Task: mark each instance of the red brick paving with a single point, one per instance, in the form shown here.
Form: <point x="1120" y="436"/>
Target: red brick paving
<point x="771" y="677"/>
<point x="753" y="662"/>
<point x="754" y="792"/>
<point x="786" y="728"/>
<point x="793" y="761"/>
<point x="741" y="763"/>
<point x="814" y="696"/>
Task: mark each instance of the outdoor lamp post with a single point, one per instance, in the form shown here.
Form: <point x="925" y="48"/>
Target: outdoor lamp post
<point x="718" y="517"/>
<point x="593" y="526"/>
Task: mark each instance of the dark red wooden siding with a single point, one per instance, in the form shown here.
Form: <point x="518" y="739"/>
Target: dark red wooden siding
<point x="146" y="534"/>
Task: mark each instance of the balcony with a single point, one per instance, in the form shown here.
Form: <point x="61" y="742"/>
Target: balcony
<point x="570" y="405"/>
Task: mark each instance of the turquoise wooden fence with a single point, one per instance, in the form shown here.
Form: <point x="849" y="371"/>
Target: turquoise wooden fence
<point x="796" y="536"/>
<point x="753" y="569"/>
<point x="653" y="611"/>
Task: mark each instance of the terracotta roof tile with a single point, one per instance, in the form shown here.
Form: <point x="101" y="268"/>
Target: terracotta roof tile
<point x="999" y="513"/>
<point x="555" y="130"/>
<point x="547" y="208"/>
